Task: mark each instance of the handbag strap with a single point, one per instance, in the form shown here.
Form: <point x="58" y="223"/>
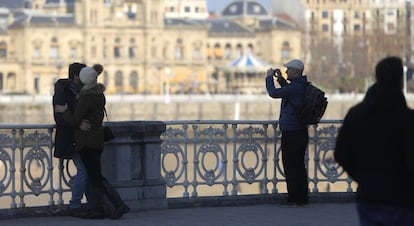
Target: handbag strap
<point x="106" y="114"/>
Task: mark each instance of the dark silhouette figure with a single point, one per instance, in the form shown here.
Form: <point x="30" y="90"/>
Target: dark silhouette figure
<point x="295" y="136"/>
<point x="65" y="93"/>
<point x="375" y="147"/>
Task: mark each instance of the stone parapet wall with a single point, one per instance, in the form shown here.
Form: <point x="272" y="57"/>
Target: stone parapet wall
<point x="143" y="108"/>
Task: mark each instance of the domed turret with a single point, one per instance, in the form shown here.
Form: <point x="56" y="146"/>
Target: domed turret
<point x="245" y="8"/>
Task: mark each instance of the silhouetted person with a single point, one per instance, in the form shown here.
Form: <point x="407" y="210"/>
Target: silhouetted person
<point x="375" y="146"/>
<point x="294" y="133"/>
<point x="65" y="93"/>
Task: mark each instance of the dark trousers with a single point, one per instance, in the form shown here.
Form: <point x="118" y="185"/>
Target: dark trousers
<point x="92" y="161"/>
<point x="385" y="215"/>
<point x="294" y="144"/>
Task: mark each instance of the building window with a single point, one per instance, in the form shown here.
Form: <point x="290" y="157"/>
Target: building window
<point x="36" y="83"/>
<point x="132" y="52"/>
<point x="117" y="52"/>
<point x="133" y="81"/>
<point x="36" y="52"/>
<point x="218" y="53"/>
<point x="285" y="50"/>
<point x="250" y="48"/>
<point x="227" y="51"/>
<point x="325" y="27"/>
<point x="325" y="14"/>
<point x="178" y="52"/>
<point x="73" y="53"/>
<point x="54" y="48"/>
<point x="179" y="49"/>
<point x="119" y="82"/>
<point x="357" y="27"/>
<point x="239" y="50"/>
<point x="187" y="9"/>
<point x="54" y="52"/>
<point x="196" y="53"/>
<point x="117" y="48"/>
<point x="3" y="49"/>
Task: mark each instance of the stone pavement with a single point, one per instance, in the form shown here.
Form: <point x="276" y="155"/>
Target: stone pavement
<point x="319" y="214"/>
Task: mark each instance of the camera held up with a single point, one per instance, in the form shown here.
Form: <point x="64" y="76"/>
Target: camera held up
<point x="274" y="72"/>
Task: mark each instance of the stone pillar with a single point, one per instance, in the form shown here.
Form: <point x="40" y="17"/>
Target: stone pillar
<point x="132" y="163"/>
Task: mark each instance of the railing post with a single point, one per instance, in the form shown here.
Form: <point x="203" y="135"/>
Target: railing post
<point x="131" y="162"/>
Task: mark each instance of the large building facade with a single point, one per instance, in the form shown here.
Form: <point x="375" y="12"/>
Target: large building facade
<point x="373" y="27"/>
<point x="146" y="46"/>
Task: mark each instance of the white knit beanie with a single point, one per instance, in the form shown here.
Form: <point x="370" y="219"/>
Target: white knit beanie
<point x="88" y="75"/>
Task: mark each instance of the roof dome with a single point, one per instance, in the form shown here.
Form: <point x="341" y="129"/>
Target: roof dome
<point x="244" y="8"/>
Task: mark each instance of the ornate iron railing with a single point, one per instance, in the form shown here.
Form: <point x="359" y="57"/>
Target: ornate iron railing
<point x="28" y="171"/>
<point x="206" y="158"/>
<point x="243" y="157"/>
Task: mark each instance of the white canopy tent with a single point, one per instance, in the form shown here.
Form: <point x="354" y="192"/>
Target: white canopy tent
<point x="245" y="75"/>
<point x="247" y="63"/>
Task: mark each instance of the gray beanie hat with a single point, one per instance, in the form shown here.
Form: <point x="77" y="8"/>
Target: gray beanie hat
<point x="88" y="75"/>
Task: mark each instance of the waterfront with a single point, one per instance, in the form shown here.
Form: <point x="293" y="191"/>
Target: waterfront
<point x="38" y="109"/>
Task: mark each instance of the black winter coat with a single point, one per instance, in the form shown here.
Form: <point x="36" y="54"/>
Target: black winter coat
<point x="375" y="146"/>
<point x="65" y="93"/>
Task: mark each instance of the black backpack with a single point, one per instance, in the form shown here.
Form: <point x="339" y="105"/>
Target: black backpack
<point x="313" y="106"/>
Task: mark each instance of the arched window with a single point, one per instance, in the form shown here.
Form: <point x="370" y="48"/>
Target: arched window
<point x="54" y="48"/>
<point x="250" y="48"/>
<point x="179" y="49"/>
<point x="218" y="53"/>
<point x="133" y="50"/>
<point x="227" y="51"/>
<point x="239" y="50"/>
<point x="117" y="48"/>
<point x="285" y="50"/>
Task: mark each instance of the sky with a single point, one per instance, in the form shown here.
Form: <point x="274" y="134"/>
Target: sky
<point x="218" y="5"/>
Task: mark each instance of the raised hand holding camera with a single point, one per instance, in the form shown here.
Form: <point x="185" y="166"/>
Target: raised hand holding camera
<point x="274" y="72"/>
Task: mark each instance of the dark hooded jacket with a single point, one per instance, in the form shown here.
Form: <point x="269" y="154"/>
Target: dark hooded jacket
<point x="90" y="106"/>
<point x="65" y="93"/>
<point x="292" y="95"/>
<point x="373" y="146"/>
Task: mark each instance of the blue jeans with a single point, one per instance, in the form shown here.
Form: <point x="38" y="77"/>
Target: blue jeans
<point x="80" y="184"/>
<point x="384" y="215"/>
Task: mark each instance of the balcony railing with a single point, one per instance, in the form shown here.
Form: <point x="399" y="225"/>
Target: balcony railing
<point x="198" y="158"/>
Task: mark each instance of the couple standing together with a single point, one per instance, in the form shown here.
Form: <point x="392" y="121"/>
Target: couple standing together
<point x="79" y="105"/>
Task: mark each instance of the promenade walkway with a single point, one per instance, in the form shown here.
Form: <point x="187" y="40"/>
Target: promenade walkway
<point x="319" y="214"/>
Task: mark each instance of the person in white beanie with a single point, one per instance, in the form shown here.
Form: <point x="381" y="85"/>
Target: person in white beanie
<point x="90" y="143"/>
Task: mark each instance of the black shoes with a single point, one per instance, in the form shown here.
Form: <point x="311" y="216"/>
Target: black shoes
<point x="79" y="212"/>
<point x="119" y="211"/>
